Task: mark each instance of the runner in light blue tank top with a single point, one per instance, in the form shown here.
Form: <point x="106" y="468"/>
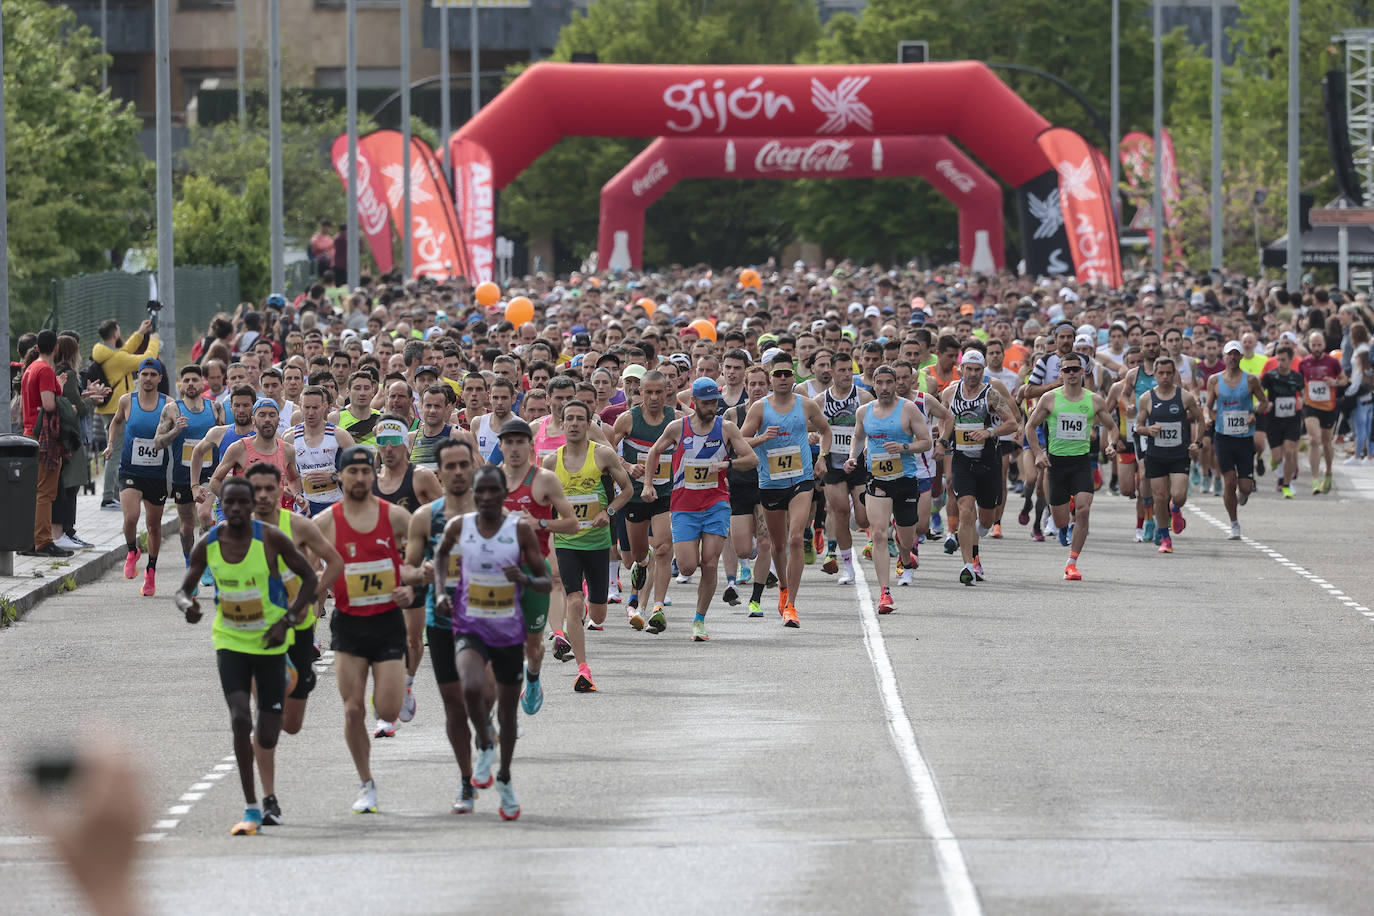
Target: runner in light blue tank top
<point x="784" y="461"/>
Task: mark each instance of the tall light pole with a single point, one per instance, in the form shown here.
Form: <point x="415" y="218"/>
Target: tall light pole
<point x="1157" y="200"/>
<point x="166" y="291"/>
<point x="4" y="268"/>
<point x="104" y="45"/>
<point x="1216" y="141"/>
<point x="444" y="126"/>
<point x="407" y="255"/>
<point x="351" y="91"/>
<point x="1114" y="142"/>
<point x="474" y="55"/>
<point x="1294" y="231"/>
<point x="274" y="142"/>
<point x="240" y="75"/>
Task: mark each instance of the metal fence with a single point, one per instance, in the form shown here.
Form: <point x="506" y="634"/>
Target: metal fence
<point x="81" y="303"/>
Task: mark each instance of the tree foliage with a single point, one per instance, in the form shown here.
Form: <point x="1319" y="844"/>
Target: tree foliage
<point x="78" y="186"/>
<point x="216" y="224"/>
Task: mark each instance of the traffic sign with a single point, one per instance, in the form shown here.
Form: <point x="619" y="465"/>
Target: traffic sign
<point x="1361" y="216"/>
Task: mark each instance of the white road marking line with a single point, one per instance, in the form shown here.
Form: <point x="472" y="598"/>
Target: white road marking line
<point x="224" y="767"/>
<point x="215" y="775"/>
<point x="166" y="825"/>
<point x="150" y="837"/>
<point x="179" y="809"/>
<point x="949" y="857"/>
<point x="201" y="786"/>
<point x="1325" y="586"/>
<point x="191" y="796"/>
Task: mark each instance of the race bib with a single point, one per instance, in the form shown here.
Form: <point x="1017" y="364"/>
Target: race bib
<point x="1073" y="427"/>
<point x="665" y="468"/>
<point x="186" y="449"/>
<point x="884" y="466"/>
<point x="1235" y="423"/>
<point x="1285" y="407"/>
<point x="784" y="463"/>
<point x="1319" y="390"/>
<point x="145" y="454"/>
<point x="841" y="438"/>
<point x="1169" y="434"/>
<point x="963" y="439"/>
<point x="585" y="508"/>
<point x="242" y="610"/>
<point x="544" y="453"/>
<point x="490" y="597"/>
<point x="315" y="489"/>
<point x="697" y="474"/>
<point x="292" y="583"/>
<point x="369" y="583"/>
<point x="455" y="565"/>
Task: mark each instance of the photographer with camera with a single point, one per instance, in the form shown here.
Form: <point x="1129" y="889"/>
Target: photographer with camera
<point x="116" y="359"/>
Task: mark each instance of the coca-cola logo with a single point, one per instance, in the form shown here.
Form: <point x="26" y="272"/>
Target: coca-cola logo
<point x="372" y="212"/>
<point x="822" y="156"/>
<point x="961" y="180"/>
<point x="656" y="173"/>
<point x="696" y="105"/>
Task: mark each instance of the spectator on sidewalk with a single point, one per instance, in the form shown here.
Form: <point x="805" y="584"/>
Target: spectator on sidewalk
<point x="39" y="390"/>
<point x="76" y="467"/>
<point x="118" y="359"/>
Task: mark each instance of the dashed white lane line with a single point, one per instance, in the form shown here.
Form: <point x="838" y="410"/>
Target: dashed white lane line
<point x="1283" y="561"/>
<point x="949" y="857"/>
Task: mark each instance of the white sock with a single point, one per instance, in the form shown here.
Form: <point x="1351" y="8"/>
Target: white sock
<point x="847" y="555"/>
<point x="410" y="680"/>
<point x="615" y="570"/>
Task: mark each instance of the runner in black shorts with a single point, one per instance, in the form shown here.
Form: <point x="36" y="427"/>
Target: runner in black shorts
<point x="844" y="490"/>
<point x="748" y="534"/>
<point x="1283" y="425"/>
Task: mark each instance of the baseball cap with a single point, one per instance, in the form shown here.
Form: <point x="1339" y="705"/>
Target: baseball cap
<point x="972" y="357"/>
<point x="1083" y="340"/>
<point x="151" y="363"/>
<point x="705" y="389"/>
<point x="276" y="299"/>
<point x="433" y="370"/>
<point x="770" y="354"/>
<point x="855" y="307"/>
<point x="581" y="339"/>
<point x="872" y="312"/>
<point x="766" y="340"/>
<point x="356" y="454"/>
<point x="1232" y="346"/>
<point x="634" y="370"/>
<point x="515" y="427"/>
<point x="818" y="324"/>
<point x="918" y="318"/>
<point x="261" y="403"/>
<point x="390" y="432"/>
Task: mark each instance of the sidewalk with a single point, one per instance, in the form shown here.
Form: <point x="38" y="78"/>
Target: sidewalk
<point x="35" y="578"/>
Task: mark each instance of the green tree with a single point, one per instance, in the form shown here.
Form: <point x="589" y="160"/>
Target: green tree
<point x="723" y="221"/>
<point x="214" y="224"/>
<point x="78" y="184"/>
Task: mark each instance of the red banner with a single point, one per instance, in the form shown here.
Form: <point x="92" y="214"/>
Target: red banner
<point x="372" y="213"/>
<point x="1085" y="197"/>
<point x="433" y="232"/>
<point x="1137" y="160"/>
<point x="668" y="160"/>
<point x="474" y="199"/>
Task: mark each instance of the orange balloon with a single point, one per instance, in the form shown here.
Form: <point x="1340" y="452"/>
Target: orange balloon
<point x="705" y="329"/>
<point x="487" y="293"/>
<point x="519" y="310"/>
<point x="750" y="277"/>
<point x="648" y="305"/>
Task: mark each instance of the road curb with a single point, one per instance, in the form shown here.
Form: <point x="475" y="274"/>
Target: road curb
<point x="93" y="564"/>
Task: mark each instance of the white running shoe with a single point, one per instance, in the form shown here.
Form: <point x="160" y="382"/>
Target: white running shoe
<point x="1235" y="532"/>
<point x="1353" y="460"/>
<point x="613" y="595"/>
<point x="67" y="543"/>
<point x="847" y="574"/>
<point x="907" y="578"/>
<point x="367" y="799"/>
<point x="481" y="768"/>
<point x="384" y="729"/>
<point x="408" y="705"/>
<point x="510" y="808"/>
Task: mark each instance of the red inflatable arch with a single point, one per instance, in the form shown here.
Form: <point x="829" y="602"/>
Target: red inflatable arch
<point x="668" y="160"/>
<point x="549" y="101"/>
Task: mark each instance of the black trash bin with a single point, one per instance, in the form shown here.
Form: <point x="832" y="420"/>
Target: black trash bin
<point x="18" y="491"/>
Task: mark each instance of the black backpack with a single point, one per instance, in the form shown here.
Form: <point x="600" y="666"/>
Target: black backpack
<point x="94" y="372"/>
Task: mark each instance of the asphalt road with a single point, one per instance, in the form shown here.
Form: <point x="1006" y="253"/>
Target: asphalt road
<point x="1185" y="733"/>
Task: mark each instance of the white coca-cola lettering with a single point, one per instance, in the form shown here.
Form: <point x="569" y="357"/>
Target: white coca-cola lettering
<point x="656" y="172"/>
<point x="372" y="212"/>
<point x="822" y="156"/>
<point x="699" y="105"/>
<point x="961" y="180"/>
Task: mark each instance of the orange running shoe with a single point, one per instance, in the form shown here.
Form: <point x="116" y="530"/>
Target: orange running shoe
<point x="789" y="617"/>
<point x="885" y="603"/>
<point x="819" y="540"/>
<point x="782" y="601"/>
<point x="1071" y="573"/>
<point x="997" y="531"/>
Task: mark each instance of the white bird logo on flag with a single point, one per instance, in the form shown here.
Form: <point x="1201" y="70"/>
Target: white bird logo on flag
<point x="841" y="105"/>
<point x="1074" y="179"/>
<point x="395" y="189"/>
<point x="1047" y="211"/>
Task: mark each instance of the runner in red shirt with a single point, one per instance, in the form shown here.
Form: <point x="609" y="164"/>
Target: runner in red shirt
<point x="1321" y="375"/>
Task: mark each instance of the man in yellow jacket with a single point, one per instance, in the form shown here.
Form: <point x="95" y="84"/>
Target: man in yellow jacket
<point x="118" y="358"/>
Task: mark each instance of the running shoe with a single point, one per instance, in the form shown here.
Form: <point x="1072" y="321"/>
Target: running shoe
<point x="1023" y="517"/>
<point x="613" y="595"/>
<point x="657" y="622"/>
<point x="1065" y="534"/>
<point x="885" y="603"/>
<point x="1139" y="535"/>
<point x="907" y="578"/>
<point x="771" y="581"/>
<point x="1195" y="475"/>
<point x="510" y="808"/>
<point x="131" y="563"/>
<point x="1242" y="496"/>
<point x="367" y="799"/>
<point x="636" y="618"/>
<point x="914" y="561"/>
<point x="937" y="527"/>
<point x="1316" y="486"/>
<point x="831" y="564"/>
<point x="1159" y="535"/>
<point x="250" y="825"/>
<point x="966" y="575"/>
<point x="1235" y="532"/>
<point x="891" y="547"/>
<point x="1037" y="535"/>
<point x="584" y="682"/>
<point x="1353" y="461"/>
<point x="149" y="588"/>
<point x="1166" y="544"/>
<point x="271" y="812"/>
<point x="532" y="695"/>
<point x="481" y="767"/>
<point x="746" y="572"/>
<point x="408" y="705"/>
<point x="639" y="573"/>
<point x="562" y="649"/>
<point x="1216" y="486"/>
<point x="1179" y="522"/>
<point x="1279" y="484"/>
<point x="789" y="617"/>
<point x="951" y="543"/>
<point x="467" y="799"/>
<point x="1259" y="465"/>
<point x="1149" y="531"/>
<point x="867" y="552"/>
<point x="699" y="631"/>
<point x="808" y="550"/>
<point x="819" y="537"/>
<point x="997" y="531"/>
<point x="1071" y="572"/>
<point x="384" y="729"/>
<point x="1287" y="492"/>
<point x="755" y="609"/>
<point x="731" y="594"/>
<point x="782" y="601"/>
<point x="592" y="624"/>
<point x="1326" y="484"/>
<point x="847" y="577"/>
<point x="978" y="568"/>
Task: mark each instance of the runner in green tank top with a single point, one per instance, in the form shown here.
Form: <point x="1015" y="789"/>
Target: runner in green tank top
<point x="1071" y="410"/>
<point x="252" y="628"/>
<point x="358" y="417"/>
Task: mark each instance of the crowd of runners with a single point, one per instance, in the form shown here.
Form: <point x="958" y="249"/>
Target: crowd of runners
<point x="413" y="471"/>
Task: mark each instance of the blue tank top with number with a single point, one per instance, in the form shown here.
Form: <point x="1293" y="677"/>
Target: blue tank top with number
<point x="1234" y="404"/>
<point x="882" y="430"/>
<point x="785" y="460"/>
<point x="139" y="458"/>
<point x="197" y="425"/>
